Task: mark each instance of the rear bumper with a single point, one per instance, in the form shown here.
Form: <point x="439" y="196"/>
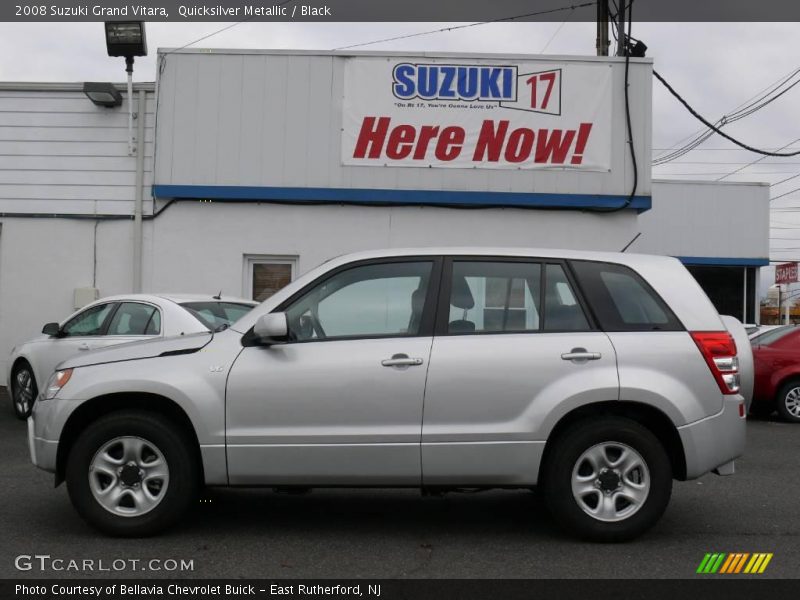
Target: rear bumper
<point x="716" y="440"/>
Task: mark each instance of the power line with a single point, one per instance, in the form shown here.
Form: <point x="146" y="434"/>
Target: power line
<point x="758" y="160"/>
<point x="786" y="194"/>
<point x="702" y="135"/>
<point x="455" y="27"/>
<point x="213" y="33"/>
<point x="716" y="129"/>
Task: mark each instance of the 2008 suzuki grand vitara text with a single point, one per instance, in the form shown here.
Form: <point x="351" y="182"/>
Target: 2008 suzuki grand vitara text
<point x="596" y="377"/>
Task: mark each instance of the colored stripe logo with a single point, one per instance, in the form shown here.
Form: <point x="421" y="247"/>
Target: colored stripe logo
<point x="734" y="562"/>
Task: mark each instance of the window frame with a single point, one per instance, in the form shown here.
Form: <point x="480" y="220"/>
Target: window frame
<point x="446" y="284"/>
<point x="113" y="314"/>
<point x="426" y="327"/>
<point x="250" y="260"/>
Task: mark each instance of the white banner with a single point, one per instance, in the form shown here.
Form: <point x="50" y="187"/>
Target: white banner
<point x="476" y="114"/>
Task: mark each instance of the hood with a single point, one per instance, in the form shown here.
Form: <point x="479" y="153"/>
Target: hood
<point x="179" y="344"/>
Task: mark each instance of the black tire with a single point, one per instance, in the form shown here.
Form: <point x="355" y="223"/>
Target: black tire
<point x="562" y="459"/>
<point x="23" y="390"/>
<point x="787" y="401"/>
<point x="177" y="449"/>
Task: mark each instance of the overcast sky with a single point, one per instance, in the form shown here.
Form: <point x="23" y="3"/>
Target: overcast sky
<point x="716" y="66"/>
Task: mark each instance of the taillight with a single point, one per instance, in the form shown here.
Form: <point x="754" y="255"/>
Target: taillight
<point x="719" y="350"/>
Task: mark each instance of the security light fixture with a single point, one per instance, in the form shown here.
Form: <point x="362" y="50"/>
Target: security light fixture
<point x="126" y="38"/>
<point x="102" y="94"/>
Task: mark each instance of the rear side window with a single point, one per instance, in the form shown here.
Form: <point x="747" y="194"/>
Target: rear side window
<point x="622" y="300"/>
<point x="494" y="297"/>
<point x="132" y="318"/>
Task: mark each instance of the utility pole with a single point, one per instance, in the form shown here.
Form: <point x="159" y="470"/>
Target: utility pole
<point x="602" y="28"/>
<point x="620" y="25"/>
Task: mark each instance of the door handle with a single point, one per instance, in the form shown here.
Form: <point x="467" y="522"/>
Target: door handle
<point x="581" y="354"/>
<point x="84" y="347"/>
<point x="401" y="360"/>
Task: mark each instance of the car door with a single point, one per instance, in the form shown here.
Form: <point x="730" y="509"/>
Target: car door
<point x="341" y="402"/>
<point x="514" y="349"/>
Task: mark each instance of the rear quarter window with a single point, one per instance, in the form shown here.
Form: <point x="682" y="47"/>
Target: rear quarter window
<point x="622" y="300"/>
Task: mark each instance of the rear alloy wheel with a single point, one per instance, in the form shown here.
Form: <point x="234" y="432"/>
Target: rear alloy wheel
<point x="132" y="473"/>
<point x="23" y="391"/>
<point x="788" y="403"/>
<point x="607" y="479"/>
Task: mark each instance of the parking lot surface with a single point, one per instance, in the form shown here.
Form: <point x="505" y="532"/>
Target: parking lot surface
<point x="346" y="533"/>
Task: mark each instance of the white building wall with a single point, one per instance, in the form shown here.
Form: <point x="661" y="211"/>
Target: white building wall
<point x="201" y="247"/>
<point x="705" y="219"/>
<point x="59" y="153"/>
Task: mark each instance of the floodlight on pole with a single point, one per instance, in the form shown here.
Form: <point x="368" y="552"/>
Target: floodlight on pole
<point x="128" y="39"/>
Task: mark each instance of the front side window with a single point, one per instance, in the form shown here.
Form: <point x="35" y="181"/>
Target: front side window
<point x="132" y="318"/>
<point x="366" y="301"/>
<point x="89" y="322"/>
<point x="494" y="296"/>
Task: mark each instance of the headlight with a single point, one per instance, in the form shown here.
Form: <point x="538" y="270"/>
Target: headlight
<point x="57" y="381"/>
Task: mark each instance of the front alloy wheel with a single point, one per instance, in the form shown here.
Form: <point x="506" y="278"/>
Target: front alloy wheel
<point x="607" y="479"/>
<point x="129" y="476"/>
<point x="23" y="391"/>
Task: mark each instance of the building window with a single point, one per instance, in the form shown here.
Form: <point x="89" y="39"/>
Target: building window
<point x="265" y="275"/>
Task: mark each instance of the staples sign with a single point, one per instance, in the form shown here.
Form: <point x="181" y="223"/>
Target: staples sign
<point x="476" y="114"/>
<point x="786" y="273"/>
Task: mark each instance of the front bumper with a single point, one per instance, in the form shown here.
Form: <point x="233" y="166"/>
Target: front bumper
<point x="44" y="430"/>
<point x="716" y="440"/>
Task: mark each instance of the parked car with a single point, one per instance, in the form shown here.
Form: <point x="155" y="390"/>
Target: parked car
<point x="755" y="330"/>
<point x="109" y="321"/>
<point x="598" y="377"/>
<point x="777" y="364"/>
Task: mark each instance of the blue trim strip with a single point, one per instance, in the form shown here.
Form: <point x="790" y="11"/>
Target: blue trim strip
<point x="723" y="262"/>
<point x="399" y="197"/>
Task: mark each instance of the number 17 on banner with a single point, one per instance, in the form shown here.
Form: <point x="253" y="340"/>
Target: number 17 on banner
<point x="538" y="92"/>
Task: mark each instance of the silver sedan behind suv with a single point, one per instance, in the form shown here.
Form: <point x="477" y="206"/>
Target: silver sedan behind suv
<point x="597" y="377"/>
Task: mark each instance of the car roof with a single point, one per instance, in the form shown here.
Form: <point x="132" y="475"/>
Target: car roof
<point x="555" y="253"/>
<point x="177" y="298"/>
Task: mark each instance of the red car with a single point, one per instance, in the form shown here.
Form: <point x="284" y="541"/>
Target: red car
<point x="776" y="354"/>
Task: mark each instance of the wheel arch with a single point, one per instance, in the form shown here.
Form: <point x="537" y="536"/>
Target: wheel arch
<point x="646" y="415"/>
<point x="98" y="407"/>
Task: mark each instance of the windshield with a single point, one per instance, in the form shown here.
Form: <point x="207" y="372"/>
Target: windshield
<point x="773" y="335"/>
<point x="217" y="315"/>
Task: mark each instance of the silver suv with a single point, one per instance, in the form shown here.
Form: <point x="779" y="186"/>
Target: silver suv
<point x="596" y="377"/>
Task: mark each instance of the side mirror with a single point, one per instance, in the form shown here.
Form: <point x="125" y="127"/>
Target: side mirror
<point x="272" y="328"/>
<point x="52" y="329"/>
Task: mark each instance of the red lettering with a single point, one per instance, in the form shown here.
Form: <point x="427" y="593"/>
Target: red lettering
<point x="449" y="145"/>
<point x="371" y="137"/>
<point x="490" y="142"/>
<point x="426" y="134"/>
<point x="553" y="148"/>
<point x="520" y="144"/>
<point x="401" y="142"/>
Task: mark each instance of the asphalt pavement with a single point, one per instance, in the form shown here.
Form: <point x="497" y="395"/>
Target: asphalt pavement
<point x="347" y="533"/>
